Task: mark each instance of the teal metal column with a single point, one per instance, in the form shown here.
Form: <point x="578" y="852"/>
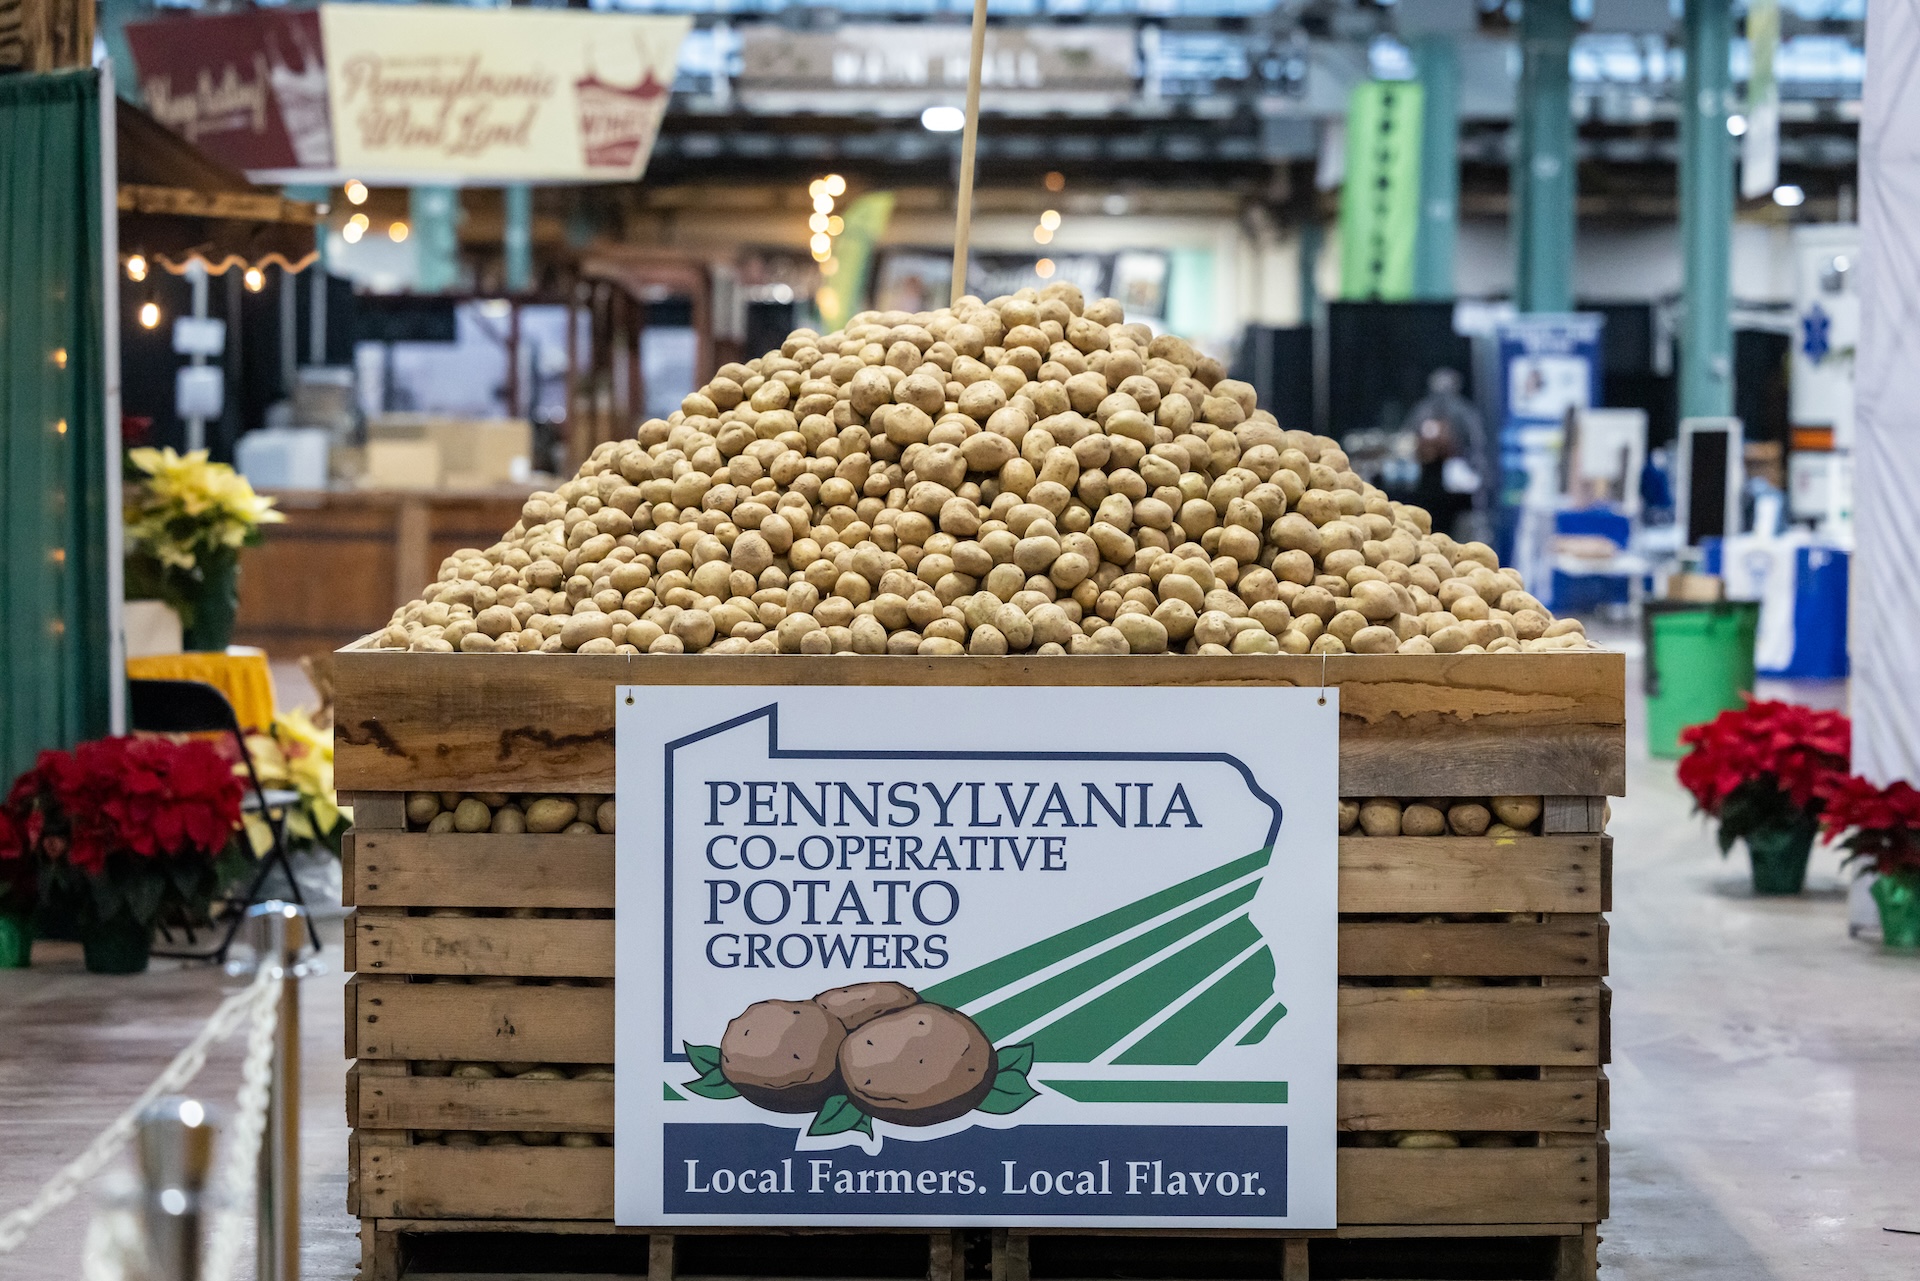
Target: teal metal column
<point x="519" y="238"/>
<point x="1436" y="60"/>
<point x="436" y="238"/>
<point x="1310" y="242"/>
<point x="1543" y="162"/>
<point x="1706" y="214"/>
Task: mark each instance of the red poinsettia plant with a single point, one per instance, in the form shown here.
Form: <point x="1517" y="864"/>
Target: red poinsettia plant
<point x="1768" y="765"/>
<point x="1880" y="825"/>
<point x="137" y="826"/>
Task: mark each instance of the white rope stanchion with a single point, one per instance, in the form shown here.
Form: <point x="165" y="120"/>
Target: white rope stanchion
<point x="233" y="1202"/>
<point x="242" y="1007"/>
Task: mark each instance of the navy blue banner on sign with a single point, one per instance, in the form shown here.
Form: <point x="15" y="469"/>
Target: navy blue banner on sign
<point x="1093" y="1170"/>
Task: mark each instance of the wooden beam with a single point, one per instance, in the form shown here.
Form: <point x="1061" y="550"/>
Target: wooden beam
<point x="250" y="206"/>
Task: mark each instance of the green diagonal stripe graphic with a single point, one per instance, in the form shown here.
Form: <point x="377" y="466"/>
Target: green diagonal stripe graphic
<point x="982" y="980"/>
<point x="1258" y="1032"/>
<point x="1171" y="1091"/>
<point x="1197" y="1028"/>
<point x="1094" y="1028"/>
<point x="1043" y="998"/>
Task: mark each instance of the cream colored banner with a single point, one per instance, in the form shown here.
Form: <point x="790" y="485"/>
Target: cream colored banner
<point x="431" y="93"/>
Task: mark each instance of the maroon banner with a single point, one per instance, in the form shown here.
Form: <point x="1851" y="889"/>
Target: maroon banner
<point x="249" y="89"/>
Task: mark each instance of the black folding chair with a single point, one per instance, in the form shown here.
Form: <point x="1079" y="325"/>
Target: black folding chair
<point x="194" y="707"/>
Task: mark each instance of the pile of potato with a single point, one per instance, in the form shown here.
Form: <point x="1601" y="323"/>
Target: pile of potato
<point x="1026" y="475"/>
<point x="1441" y="816"/>
<point x="581" y="815"/>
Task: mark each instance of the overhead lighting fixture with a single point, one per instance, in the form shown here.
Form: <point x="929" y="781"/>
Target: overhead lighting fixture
<point x="835" y="184"/>
<point x="943" y="119"/>
<point x="255" y="279"/>
<point x="149" y="315"/>
<point x="1737" y="126"/>
<point x="398" y="232"/>
<point x="1043" y="268"/>
<point x="1050" y="220"/>
<point x="1789" y="196"/>
<point x="1056" y="181"/>
<point x="356" y="191"/>
<point x="136" y="269"/>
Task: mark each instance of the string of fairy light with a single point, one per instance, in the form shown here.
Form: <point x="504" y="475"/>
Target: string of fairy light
<point x="826" y="226"/>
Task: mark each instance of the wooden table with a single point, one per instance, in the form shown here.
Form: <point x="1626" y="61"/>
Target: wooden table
<point x="345" y="558"/>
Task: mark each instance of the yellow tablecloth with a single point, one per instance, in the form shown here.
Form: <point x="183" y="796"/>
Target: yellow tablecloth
<point x="241" y="674"/>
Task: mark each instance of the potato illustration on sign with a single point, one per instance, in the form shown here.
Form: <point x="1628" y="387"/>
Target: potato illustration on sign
<point x="855" y="1053"/>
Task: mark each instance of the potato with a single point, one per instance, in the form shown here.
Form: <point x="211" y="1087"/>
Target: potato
<point x="1349" y="815"/>
<point x="1468" y="818"/>
<point x="551" y="813"/>
<point x="1380" y="817"/>
<point x="421" y="807"/>
<point x="794" y="501"/>
<point x="918" y="1066"/>
<point x="603" y="817"/>
<point x="783" y="1055"/>
<point x="442" y="822"/>
<point x="1517" y="811"/>
<point x="1422" y="820"/>
<point x="1425" y="1139"/>
<point x="509" y="820"/>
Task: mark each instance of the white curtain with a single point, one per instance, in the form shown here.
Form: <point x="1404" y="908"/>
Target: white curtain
<point x="1885" y="621"/>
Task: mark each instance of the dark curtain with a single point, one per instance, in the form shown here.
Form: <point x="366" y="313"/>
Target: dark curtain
<point x="55" y="686"/>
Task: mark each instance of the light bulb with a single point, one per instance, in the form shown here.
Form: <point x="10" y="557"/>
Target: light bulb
<point x="835" y="224"/>
<point x="943" y="119"/>
<point x="817" y="188"/>
<point x="835" y="184"/>
<point x="823" y="203"/>
<point x="1043" y="268"/>
<point x="821" y="243"/>
<point x="1050" y="220"/>
<point x="352" y="232"/>
<point x="149" y="315"/>
<point x="136" y="268"/>
<point x="1042" y="236"/>
<point x="398" y="232"/>
<point x="1788" y="196"/>
<point x="1056" y="181"/>
<point x="817" y="222"/>
<point x="356" y="191"/>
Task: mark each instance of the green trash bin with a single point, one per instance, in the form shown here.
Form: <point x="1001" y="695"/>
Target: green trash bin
<point x="1699" y="663"/>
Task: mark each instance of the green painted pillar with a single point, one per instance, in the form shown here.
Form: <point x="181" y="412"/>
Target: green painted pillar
<point x="436" y="237"/>
<point x="519" y="238"/>
<point x="1543" y="161"/>
<point x="1437" y="62"/>
<point x="1706" y="214"/>
<point x="1310" y="241"/>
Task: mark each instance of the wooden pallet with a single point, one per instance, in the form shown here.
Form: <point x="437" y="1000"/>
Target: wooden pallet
<point x="1411" y="726"/>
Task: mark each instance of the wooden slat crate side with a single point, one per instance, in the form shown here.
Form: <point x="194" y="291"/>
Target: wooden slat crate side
<point x="1499" y="1026"/>
<point x="1560" y="945"/>
<point x="376" y="811"/>
<point x="399" y="1102"/>
<point x="1391" y="874"/>
<point x="388" y="942"/>
<point x="1459" y="724"/>
<point x="1573" y="814"/>
<point x="1376" y="1185"/>
<point x="463" y="1023"/>
<point x="1562" y="1104"/>
<point x="485" y="1183"/>
<point x="414" y="869"/>
<point x="444" y="1103"/>
<point x="1471" y="1185"/>
<point x="1417" y="874"/>
<point x="539" y="1024"/>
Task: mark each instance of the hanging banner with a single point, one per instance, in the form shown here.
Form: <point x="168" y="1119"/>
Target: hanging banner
<point x="882" y="964"/>
<point x="1549" y="368"/>
<point x="1380" y="201"/>
<point x="1760" y="145"/>
<point x="414" y="93"/>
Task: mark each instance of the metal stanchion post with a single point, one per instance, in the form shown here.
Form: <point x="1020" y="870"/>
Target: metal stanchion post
<point x="176" y="1152"/>
<point x="280" y="936"/>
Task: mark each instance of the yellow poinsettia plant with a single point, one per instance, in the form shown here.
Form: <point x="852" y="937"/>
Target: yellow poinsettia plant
<point x="186" y="518"/>
<point x="296" y="755"/>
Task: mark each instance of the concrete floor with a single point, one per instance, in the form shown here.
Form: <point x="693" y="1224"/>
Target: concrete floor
<point x="1766" y="1120"/>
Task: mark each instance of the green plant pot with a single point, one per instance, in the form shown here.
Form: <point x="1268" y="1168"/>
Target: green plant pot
<point x="214" y="608"/>
<point x="1898" y="897"/>
<point x="1779" y="856"/>
<point x="16" y="941"/>
<point x="118" y="946"/>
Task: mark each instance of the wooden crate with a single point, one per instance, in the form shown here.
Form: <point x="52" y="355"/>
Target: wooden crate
<point x="1550" y="724"/>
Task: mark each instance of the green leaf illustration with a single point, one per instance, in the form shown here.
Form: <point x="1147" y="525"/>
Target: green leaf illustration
<point x="838" y="1115"/>
<point x="710" y="1085"/>
<point x="1010" y="1093"/>
<point x="1016" y="1058"/>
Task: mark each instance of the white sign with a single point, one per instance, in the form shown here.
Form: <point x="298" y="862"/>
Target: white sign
<point x="503" y="95"/>
<point x="958" y="956"/>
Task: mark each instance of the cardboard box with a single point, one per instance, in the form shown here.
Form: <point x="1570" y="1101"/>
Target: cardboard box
<point x="475" y="453"/>
<point x="402" y="464"/>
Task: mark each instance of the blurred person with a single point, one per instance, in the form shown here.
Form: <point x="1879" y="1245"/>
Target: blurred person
<point x="1450" y="447"/>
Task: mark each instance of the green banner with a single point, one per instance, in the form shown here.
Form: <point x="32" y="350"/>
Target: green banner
<point x="842" y="293"/>
<point x="1380" y="204"/>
